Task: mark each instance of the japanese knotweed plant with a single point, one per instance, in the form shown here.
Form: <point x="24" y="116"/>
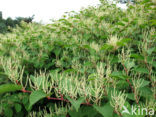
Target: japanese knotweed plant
<point x="87" y="64"/>
<point x="12" y="69"/>
<point x="118" y="101"/>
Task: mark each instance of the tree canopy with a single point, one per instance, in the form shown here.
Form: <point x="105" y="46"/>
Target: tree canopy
<point x="6" y="24"/>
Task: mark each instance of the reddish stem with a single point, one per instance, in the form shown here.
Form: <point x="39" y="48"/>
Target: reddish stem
<point x="125" y="69"/>
<point x="50" y="98"/>
<point x="118" y="113"/>
<point x="18" y="83"/>
<point x="25" y="91"/>
<point x="131" y="86"/>
<point x="88" y="104"/>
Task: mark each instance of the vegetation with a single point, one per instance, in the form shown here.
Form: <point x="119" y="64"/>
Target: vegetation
<point x="6" y="24"/>
<point x="94" y="63"/>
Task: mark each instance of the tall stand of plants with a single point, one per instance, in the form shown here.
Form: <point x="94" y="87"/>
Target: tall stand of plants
<point x="95" y="63"/>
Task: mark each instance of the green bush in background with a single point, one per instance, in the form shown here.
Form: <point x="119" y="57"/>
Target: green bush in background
<point x="6" y="24"/>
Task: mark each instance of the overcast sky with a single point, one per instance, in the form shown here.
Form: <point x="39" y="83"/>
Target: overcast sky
<point x="42" y="9"/>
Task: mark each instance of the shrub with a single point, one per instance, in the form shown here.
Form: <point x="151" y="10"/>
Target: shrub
<point x="91" y="64"/>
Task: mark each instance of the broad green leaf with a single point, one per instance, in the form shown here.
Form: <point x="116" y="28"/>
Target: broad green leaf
<point x="123" y="41"/>
<point x="144" y="83"/>
<point x="126" y="40"/>
<point x="107" y="47"/>
<point x="57" y="51"/>
<point x="125" y="19"/>
<point x="104" y="37"/>
<point x="129" y="64"/>
<point x="85" y="111"/>
<point x="130" y="96"/>
<point x="149" y="51"/>
<point x="114" y="60"/>
<point x="18" y="107"/>
<point x="145" y="1"/>
<point x="137" y="56"/>
<point x="55" y="115"/>
<point x="76" y="103"/>
<point x="92" y="77"/>
<point x="3" y="78"/>
<point x="145" y="92"/>
<point x="3" y="75"/>
<point x="35" y="97"/>
<point x="37" y="80"/>
<point x="121" y="24"/>
<point x="153" y="22"/>
<point x="150" y="59"/>
<point x="120" y="43"/>
<point x="88" y="64"/>
<point x="86" y="46"/>
<point x="122" y="84"/>
<point x="8" y="112"/>
<point x="119" y="75"/>
<point x="141" y="70"/>
<point x="154" y="64"/>
<point x="69" y="70"/>
<point x="106" y="110"/>
<point x="4" y="88"/>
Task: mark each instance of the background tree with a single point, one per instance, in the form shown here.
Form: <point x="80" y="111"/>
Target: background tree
<point x="9" y="22"/>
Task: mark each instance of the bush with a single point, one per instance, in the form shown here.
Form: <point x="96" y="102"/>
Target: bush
<point x="92" y="64"/>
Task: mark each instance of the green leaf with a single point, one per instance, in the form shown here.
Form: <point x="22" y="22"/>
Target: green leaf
<point x="104" y="37"/>
<point x="18" y="107"/>
<point x="154" y="64"/>
<point x="114" y="60"/>
<point x="57" y="51"/>
<point x="126" y="40"/>
<point x="86" y="46"/>
<point x="76" y="103"/>
<point x="130" y="96"/>
<point x="37" y="80"/>
<point x="8" y="112"/>
<point x="88" y="64"/>
<point x="92" y="77"/>
<point x="3" y="75"/>
<point x="9" y="88"/>
<point x="106" y="110"/>
<point x="107" y="47"/>
<point x="153" y="22"/>
<point x="129" y="64"/>
<point x="145" y="1"/>
<point x="149" y="51"/>
<point x="145" y="92"/>
<point x="69" y="70"/>
<point x="35" y="97"/>
<point x="122" y="84"/>
<point x="121" y="24"/>
<point x="137" y="56"/>
<point x="118" y="74"/>
<point x="84" y="111"/>
<point x="141" y="70"/>
<point x="125" y="19"/>
<point x="144" y="83"/>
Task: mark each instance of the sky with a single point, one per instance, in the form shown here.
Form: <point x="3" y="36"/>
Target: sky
<point x="44" y="10"/>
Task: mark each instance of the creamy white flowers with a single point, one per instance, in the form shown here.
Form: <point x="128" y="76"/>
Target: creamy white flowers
<point x="113" y="40"/>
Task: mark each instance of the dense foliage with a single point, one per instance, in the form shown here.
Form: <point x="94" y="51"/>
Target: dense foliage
<point x="6" y="24"/>
<point x="94" y="63"/>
